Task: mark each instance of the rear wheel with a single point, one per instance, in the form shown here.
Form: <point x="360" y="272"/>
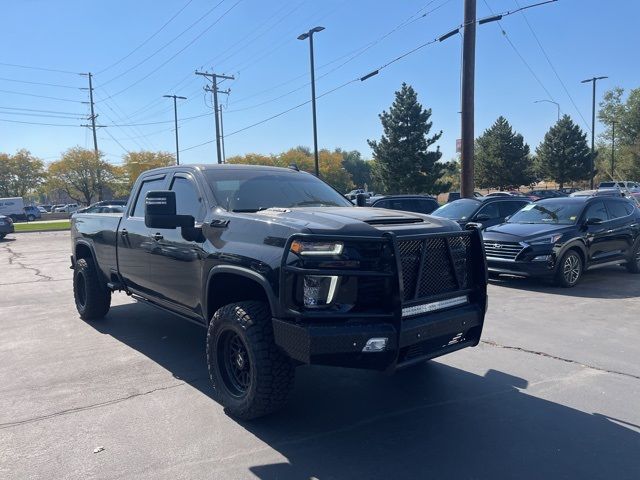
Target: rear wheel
<point x="633" y="265"/>
<point x="251" y="377"/>
<point x="92" y="296"/>
<point x="2" y="235"/>
<point x="31" y="217"/>
<point x="570" y="269"/>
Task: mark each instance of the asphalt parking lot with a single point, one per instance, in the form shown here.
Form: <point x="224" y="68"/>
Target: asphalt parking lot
<point x="553" y="391"/>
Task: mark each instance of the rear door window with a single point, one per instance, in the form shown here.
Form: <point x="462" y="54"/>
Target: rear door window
<point x="616" y="209"/>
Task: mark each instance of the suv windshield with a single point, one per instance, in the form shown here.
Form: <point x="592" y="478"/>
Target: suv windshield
<point x="242" y="190"/>
<point x="549" y="211"/>
<point x="458" y="210"/>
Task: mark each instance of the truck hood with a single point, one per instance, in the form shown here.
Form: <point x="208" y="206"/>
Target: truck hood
<point x="519" y="232"/>
<point x="356" y="220"/>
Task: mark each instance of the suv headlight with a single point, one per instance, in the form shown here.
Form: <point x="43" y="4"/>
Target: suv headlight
<point x="316" y="248"/>
<point x="549" y="239"/>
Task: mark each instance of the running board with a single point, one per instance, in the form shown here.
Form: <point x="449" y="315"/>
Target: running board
<point x="607" y="264"/>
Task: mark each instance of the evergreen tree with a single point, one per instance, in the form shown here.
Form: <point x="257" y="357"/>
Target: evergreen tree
<point x="563" y="156"/>
<point x="502" y="158"/>
<point x="403" y="162"/>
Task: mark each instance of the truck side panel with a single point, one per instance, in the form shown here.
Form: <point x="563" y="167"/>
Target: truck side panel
<point x="98" y="232"/>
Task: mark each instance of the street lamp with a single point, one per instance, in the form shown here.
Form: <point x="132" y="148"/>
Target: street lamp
<point x="304" y="36"/>
<point x="593" y="80"/>
<point x="175" y="118"/>
<point x="551" y="101"/>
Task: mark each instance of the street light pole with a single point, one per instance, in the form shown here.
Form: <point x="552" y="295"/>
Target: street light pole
<point x="613" y="147"/>
<point x="551" y="101"/>
<point x="304" y="36"/>
<point x="175" y="119"/>
<point x="593" y="80"/>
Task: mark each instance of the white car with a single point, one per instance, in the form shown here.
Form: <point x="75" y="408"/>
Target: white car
<point x="68" y="208"/>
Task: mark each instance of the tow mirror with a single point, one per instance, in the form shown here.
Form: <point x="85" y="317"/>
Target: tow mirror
<point x="160" y="211"/>
<point x="361" y="199"/>
<point x="593" y="221"/>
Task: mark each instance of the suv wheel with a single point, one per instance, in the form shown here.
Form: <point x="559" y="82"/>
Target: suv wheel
<point x="250" y="376"/>
<point x="92" y="297"/>
<point x="31" y="217"/>
<point x="633" y="265"/>
<point x="570" y="269"/>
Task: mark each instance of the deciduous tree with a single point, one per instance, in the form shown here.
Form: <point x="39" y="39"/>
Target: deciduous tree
<point x="20" y="173"/>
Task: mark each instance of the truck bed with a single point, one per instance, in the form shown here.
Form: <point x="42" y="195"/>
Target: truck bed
<point x="99" y="232"/>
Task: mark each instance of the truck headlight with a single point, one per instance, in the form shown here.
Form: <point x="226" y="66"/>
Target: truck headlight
<point x="316" y="248"/>
<point x="319" y="290"/>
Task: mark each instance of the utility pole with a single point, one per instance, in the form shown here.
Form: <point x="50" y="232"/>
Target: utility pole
<point x="304" y="36"/>
<point x="613" y="147"/>
<point x="214" y="89"/>
<point x="593" y="80"/>
<point x="93" y="128"/>
<point x="175" y="118"/>
<point x="224" y="155"/>
<point x="468" y="81"/>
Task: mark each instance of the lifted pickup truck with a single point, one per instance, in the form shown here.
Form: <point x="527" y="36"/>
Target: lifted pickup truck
<point x="282" y="270"/>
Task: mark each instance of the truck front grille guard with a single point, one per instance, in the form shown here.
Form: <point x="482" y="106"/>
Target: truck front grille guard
<point x="430" y="267"/>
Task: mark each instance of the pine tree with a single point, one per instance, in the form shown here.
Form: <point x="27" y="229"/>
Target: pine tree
<point x="563" y="156"/>
<point x="502" y="158"/>
<point x="403" y="162"/>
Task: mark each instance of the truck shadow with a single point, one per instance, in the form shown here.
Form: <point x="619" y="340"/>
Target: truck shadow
<point x="434" y="421"/>
<point x="606" y="283"/>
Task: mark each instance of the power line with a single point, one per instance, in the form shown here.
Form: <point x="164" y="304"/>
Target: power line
<point x="179" y="51"/>
<point x="553" y="68"/>
<point x="165" y="45"/>
<point x="147" y="40"/>
<point x="40" y="96"/>
<point x="43" y="111"/>
<point x="38" y="83"/>
<point x="39" y="123"/>
<point x="42" y="69"/>
<point x="28" y="114"/>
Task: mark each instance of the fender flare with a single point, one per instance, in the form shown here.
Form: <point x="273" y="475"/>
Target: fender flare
<point x="94" y="259"/>
<point x="243" y="272"/>
<point x="575" y="243"/>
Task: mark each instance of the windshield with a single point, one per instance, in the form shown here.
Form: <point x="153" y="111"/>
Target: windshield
<point x="549" y="211"/>
<point x="251" y="190"/>
<point x="459" y="210"/>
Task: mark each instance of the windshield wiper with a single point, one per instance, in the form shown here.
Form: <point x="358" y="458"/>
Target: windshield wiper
<point x="314" y="202"/>
<point x="249" y="210"/>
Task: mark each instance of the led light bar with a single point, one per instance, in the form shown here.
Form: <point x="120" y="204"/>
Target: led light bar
<point x="432" y="307"/>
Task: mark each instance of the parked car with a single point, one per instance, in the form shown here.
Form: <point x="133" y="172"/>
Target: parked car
<point x="55" y="207"/>
<point x="68" y="208"/>
<point x="453" y="196"/>
<point x="41" y="209"/>
<point x="547" y="194"/>
<point x="102" y="207"/>
<point x="6" y="226"/>
<point x="560" y="238"/>
<point x="282" y="270"/>
<point x="604" y="192"/>
<point x="624" y="185"/>
<point x="12" y="207"/>
<point x="481" y="212"/>
<point x="569" y="190"/>
<point x="354" y="193"/>
<point x="32" y="213"/>
<point x="408" y="203"/>
<point x="45" y="208"/>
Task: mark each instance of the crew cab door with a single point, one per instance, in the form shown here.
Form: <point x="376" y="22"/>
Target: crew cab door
<point x="175" y="264"/>
<point x="134" y="243"/>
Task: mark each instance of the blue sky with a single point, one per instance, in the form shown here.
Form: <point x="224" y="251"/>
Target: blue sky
<point x="255" y="40"/>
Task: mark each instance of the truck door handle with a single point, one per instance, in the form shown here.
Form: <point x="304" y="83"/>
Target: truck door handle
<point x="124" y="232"/>
<point x="157" y="236"/>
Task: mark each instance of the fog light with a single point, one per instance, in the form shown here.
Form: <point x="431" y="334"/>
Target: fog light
<point x="542" y="258"/>
<point x="375" y="344"/>
<point x="319" y="290"/>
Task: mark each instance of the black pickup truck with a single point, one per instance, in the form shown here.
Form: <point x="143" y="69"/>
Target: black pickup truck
<point x="283" y="270"/>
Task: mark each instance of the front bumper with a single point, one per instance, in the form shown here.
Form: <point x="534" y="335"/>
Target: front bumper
<point x="7" y="228"/>
<point x="415" y="339"/>
<point x="523" y="268"/>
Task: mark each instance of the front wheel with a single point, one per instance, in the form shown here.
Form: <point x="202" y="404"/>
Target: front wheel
<point x="633" y="265"/>
<point x="570" y="269"/>
<point x="31" y="218"/>
<point x="251" y="377"/>
<point x="92" y="296"/>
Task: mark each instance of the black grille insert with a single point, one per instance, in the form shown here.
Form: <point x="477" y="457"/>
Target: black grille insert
<point x="435" y="266"/>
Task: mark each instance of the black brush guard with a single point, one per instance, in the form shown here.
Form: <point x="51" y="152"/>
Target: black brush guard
<point x="426" y="268"/>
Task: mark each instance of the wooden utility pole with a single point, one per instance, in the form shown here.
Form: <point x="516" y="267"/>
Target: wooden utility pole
<point x="214" y="89"/>
<point x="468" y="80"/>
